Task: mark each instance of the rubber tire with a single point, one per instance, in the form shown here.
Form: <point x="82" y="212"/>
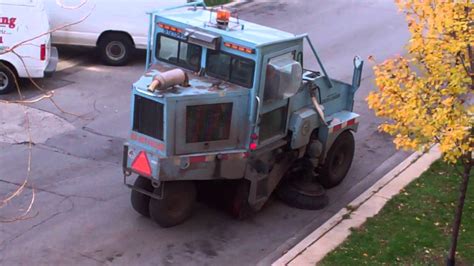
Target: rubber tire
<point x="331" y="175"/>
<point x="140" y="202"/>
<point x="182" y="192"/>
<point x="10" y="79"/>
<point x="124" y="39"/>
<point x="292" y="197"/>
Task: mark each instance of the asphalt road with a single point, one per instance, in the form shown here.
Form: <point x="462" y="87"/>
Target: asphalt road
<point x="82" y="213"/>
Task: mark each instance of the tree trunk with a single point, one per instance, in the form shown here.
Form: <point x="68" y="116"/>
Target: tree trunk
<point x="450" y="261"/>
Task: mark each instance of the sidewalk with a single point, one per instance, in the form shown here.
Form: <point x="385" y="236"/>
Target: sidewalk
<point x="331" y="234"/>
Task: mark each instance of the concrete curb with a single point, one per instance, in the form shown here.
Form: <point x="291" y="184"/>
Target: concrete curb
<point x="331" y="234"/>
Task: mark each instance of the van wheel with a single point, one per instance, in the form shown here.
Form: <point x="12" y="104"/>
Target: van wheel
<point x="176" y="203"/>
<point x="115" y="49"/>
<point x="338" y="160"/>
<point x="7" y="79"/>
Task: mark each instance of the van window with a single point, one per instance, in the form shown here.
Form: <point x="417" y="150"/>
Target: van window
<point x="230" y="67"/>
<point x="179" y="52"/>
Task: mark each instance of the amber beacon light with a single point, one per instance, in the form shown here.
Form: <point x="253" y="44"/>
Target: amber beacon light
<point x="223" y="16"/>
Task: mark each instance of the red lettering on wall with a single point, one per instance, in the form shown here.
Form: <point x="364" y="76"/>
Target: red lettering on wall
<point x="6" y="21"/>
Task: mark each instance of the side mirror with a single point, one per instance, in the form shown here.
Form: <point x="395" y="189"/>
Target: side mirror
<point x="357" y="76"/>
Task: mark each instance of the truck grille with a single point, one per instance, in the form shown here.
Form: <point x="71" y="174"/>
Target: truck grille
<point x="148" y="117"/>
<point x="208" y="122"/>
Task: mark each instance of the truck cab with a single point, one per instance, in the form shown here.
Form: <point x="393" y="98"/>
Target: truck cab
<point x="227" y="99"/>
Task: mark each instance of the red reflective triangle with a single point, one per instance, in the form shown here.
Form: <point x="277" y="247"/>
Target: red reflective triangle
<point x="141" y="164"/>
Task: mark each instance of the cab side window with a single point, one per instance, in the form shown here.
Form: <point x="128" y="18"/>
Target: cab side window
<point x="179" y="52"/>
<point x="242" y="71"/>
<point x="168" y="50"/>
<point x="230" y="68"/>
<point x="218" y="65"/>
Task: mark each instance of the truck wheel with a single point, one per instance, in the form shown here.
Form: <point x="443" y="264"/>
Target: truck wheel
<point x="299" y="189"/>
<point x="139" y="200"/>
<point x="115" y="49"/>
<point x="176" y="204"/>
<point x="7" y="80"/>
<point x="338" y="160"/>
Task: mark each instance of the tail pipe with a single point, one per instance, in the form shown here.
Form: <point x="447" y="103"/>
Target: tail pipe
<point x="318" y="107"/>
<point x="165" y="80"/>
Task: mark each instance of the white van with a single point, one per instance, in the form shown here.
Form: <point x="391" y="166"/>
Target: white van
<point x="116" y="27"/>
<point x="22" y="20"/>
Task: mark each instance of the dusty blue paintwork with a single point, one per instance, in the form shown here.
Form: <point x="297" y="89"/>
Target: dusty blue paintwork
<point x="172" y="159"/>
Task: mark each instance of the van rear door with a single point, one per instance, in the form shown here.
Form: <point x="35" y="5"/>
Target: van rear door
<point x="22" y="20"/>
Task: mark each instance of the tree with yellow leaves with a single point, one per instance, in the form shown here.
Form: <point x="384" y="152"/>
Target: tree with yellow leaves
<point x="427" y="95"/>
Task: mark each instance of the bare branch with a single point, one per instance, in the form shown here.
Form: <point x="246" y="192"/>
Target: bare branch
<point x="463" y="63"/>
<point x="45" y="95"/>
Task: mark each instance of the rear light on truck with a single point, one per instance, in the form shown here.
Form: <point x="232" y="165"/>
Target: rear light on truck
<point x="253" y="146"/>
<point x="43" y="52"/>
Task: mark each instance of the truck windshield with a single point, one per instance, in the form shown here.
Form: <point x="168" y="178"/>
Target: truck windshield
<point x="179" y="52"/>
<point x="230" y="68"/>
